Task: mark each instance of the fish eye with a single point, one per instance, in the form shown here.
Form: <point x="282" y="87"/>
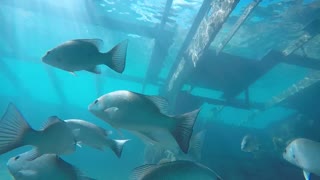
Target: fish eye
<point x="17" y="157"/>
<point x="95" y="102"/>
<point x="48" y="52"/>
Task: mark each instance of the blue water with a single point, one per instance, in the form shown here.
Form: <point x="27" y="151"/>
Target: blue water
<point x="30" y="28"/>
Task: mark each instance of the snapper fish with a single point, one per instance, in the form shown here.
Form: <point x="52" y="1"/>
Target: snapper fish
<point x="55" y="136"/>
<point x="47" y="166"/>
<point x="250" y="144"/>
<point x="305" y="154"/>
<point x="175" y="170"/>
<point x="94" y="136"/>
<point x="145" y="116"/>
<point x="84" y="54"/>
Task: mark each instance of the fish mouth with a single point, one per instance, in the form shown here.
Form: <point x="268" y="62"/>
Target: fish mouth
<point x="90" y="107"/>
<point x="44" y="59"/>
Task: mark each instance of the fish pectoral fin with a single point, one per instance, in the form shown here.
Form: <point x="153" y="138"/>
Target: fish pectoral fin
<point x="79" y="144"/>
<point x="141" y="171"/>
<point x="27" y="173"/>
<point x="94" y="70"/>
<point x="76" y="132"/>
<point x="306" y="175"/>
<point x="111" y="111"/>
<point x="196" y="144"/>
<point x="73" y="73"/>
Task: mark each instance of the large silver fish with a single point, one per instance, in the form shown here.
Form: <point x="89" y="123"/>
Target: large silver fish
<point x="176" y="170"/>
<point x="83" y="54"/>
<point x="45" y="167"/>
<point x="55" y="137"/>
<point x="146" y="116"/>
<point x="94" y="136"/>
<point x="304" y="153"/>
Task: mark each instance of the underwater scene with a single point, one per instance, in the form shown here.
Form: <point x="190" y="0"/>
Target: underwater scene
<point x="159" y="89"/>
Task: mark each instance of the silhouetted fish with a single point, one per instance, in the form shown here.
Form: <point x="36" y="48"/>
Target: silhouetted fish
<point x="83" y="54"/>
<point x="45" y="167"/>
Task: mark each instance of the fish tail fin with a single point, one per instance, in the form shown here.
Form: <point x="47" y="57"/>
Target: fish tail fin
<point x="117" y="146"/>
<point x="184" y="128"/>
<point x="118" y="57"/>
<point x="13" y="129"/>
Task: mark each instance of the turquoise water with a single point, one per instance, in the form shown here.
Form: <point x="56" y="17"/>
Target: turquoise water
<point x="31" y="28"/>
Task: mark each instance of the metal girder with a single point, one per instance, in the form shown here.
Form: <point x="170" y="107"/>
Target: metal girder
<point x="204" y="35"/>
<point x="237" y="25"/>
<point x="309" y="80"/>
<point x="161" y="47"/>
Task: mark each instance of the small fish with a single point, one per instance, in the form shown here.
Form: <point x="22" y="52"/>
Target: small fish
<point x="83" y="54"/>
<point x="55" y="137"/>
<point x="145" y="116"/>
<point x="250" y="144"/>
<point x="94" y="136"/>
<point x="47" y="166"/>
<point x="186" y="170"/>
<point x="304" y="153"/>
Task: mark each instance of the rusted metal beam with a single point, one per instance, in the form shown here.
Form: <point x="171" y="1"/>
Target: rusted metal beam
<point x="237" y="25"/>
<point x="204" y="35"/>
<point x="309" y="80"/>
<point x="310" y="31"/>
<point x="163" y="41"/>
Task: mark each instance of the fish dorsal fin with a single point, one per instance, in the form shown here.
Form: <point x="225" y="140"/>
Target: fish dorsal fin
<point x="51" y="120"/>
<point x="96" y="42"/>
<point x="139" y="172"/>
<point x="161" y="103"/>
<point x="306" y="175"/>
